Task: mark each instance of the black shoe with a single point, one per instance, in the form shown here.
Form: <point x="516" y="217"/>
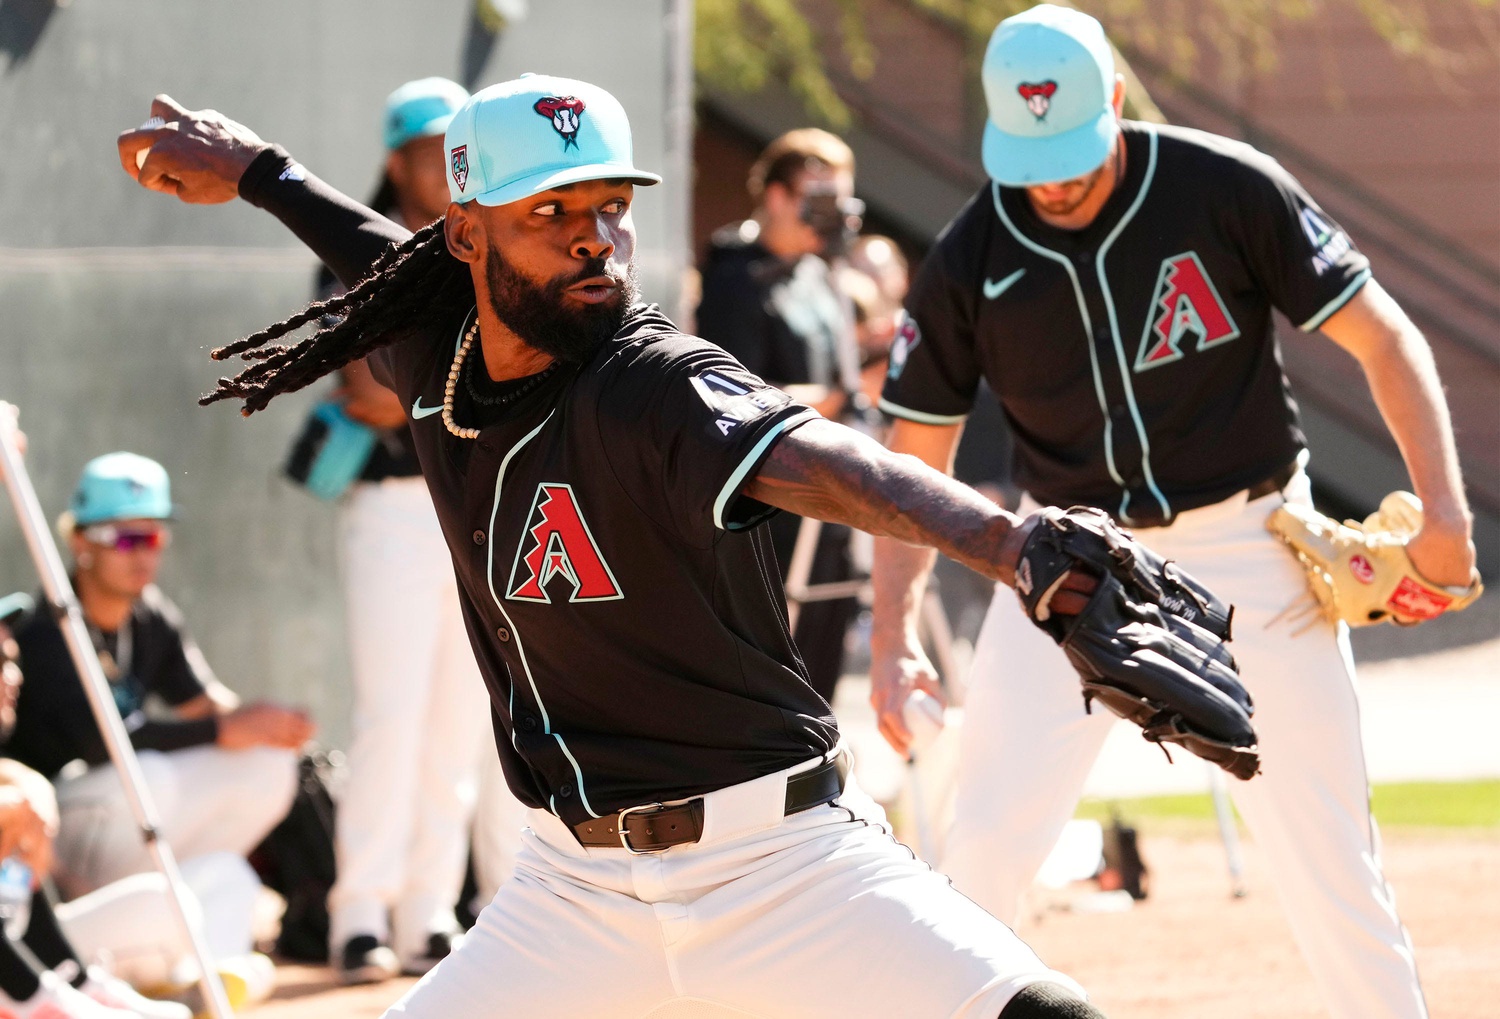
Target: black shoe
<point x="438" y="946"/>
<point x="365" y="960"/>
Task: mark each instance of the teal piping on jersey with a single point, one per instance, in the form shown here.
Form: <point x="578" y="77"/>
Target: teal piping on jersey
<point x="732" y="486"/>
<point x="515" y="631"/>
<point x="458" y="341"/>
<point x="1114" y="332"/>
<point x="1326" y="312"/>
<point x="921" y="417"/>
<point x="1088" y="328"/>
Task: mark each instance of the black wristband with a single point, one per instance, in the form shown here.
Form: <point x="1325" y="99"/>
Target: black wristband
<point x="268" y="166"/>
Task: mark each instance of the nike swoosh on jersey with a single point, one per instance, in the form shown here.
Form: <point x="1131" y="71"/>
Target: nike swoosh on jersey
<point x="418" y="412"/>
<point x="993" y="289"/>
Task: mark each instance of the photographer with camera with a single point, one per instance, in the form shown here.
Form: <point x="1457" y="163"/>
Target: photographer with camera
<point x="771" y="300"/>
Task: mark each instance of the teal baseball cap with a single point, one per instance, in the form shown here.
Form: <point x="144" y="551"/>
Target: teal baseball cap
<point x="120" y="486"/>
<point x="1049" y="76"/>
<point x="522" y="137"/>
<point x="420" y="109"/>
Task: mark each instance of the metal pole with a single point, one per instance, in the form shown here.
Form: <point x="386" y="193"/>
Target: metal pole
<point x="1227" y="831"/>
<point x="69" y="615"/>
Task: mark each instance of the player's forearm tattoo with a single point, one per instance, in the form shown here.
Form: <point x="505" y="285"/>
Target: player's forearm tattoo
<point x="833" y="473"/>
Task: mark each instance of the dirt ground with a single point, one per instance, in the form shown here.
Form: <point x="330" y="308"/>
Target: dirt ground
<point x="1190" y="950"/>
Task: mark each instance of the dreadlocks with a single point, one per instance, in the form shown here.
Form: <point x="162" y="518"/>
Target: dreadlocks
<point x="406" y="286"/>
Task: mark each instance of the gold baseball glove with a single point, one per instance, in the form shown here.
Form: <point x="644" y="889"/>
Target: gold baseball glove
<point x="1360" y="571"/>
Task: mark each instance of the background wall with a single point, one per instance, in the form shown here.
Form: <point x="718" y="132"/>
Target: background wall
<point x="111" y="296"/>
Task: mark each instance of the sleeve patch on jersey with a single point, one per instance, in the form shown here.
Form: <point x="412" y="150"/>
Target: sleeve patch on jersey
<point x="1329" y="243"/>
<point x="734" y="403"/>
<point x="908" y="335"/>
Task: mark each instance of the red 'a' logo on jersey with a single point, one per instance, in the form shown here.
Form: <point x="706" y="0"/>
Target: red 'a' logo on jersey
<point x="1185" y="304"/>
<point x="558" y="543"/>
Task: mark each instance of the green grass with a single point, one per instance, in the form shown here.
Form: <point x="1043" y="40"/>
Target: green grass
<point x="1474" y="804"/>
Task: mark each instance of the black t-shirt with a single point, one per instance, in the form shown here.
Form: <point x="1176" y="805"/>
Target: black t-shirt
<point x="780" y="319"/>
<point x="151" y="655"/>
<point x="624" y="611"/>
<point x="1135" y="359"/>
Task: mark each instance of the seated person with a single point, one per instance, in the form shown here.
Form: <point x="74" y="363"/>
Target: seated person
<point x="46" y="978"/>
<point x="221" y="775"/>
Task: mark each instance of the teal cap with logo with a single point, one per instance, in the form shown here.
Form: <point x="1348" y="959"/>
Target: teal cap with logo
<point x="522" y="137"/>
<point x="121" y="486"/>
<point x="421" y="109"/>
<point x="1049" y="77"/>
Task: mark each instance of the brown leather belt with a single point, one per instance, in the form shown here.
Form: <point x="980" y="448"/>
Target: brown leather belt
<point x="654" y="827"/>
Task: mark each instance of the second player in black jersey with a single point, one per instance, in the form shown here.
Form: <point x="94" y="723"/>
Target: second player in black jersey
<point x="1180" y="400"/>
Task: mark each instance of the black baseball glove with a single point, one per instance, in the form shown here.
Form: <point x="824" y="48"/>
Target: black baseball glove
<point x="1151" y="643"/>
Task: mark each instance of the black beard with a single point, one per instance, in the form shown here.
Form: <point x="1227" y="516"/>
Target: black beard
<point x="541" y="315"/>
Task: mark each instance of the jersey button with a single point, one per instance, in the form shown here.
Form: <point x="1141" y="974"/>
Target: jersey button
<point x="503" y="634"/>
<point x="565" y="790"/>
<point x="528" y="723"/>
<point x="478" y="537"/>
<point x="1083" y="258"/>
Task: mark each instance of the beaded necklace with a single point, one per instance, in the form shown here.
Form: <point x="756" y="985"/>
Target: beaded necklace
<point x="451" y="386"/>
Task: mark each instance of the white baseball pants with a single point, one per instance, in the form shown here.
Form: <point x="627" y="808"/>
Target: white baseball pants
<point x="1027" y="747"/>
<point x="420" y="723"/>
<point x="499" y="820"/>
<point x="805" y="917"/>
<point x="207" y="799"/>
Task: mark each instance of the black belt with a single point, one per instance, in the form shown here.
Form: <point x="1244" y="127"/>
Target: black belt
<point x="1273" y="484"/>
<point x="652" y="828"/>
<point x="1259" y="490"/>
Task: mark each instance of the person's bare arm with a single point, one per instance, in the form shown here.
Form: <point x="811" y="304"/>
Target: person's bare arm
<point x="898" y="664"/>
<point x="265" y="725"/>
<point x="248" y="725"/>
<point x="1398" y="364"/>
<point x="366" y="400"/>
<point x="833" y="473"/>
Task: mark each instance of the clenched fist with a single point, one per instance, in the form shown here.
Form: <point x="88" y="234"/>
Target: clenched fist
<point x="197" y="155"/>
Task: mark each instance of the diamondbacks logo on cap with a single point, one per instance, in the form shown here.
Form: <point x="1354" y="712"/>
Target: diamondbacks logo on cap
<point x="1038" y="96"/>
<point x="460" y="162"/>
<point x="1186" y="304"/>
<point x="564" y="112"/>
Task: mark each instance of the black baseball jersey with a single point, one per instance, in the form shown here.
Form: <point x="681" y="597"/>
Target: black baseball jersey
<point x="1136" y="358"/>
<point x="152" y="655"/>
<point x="625" y="611"/>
